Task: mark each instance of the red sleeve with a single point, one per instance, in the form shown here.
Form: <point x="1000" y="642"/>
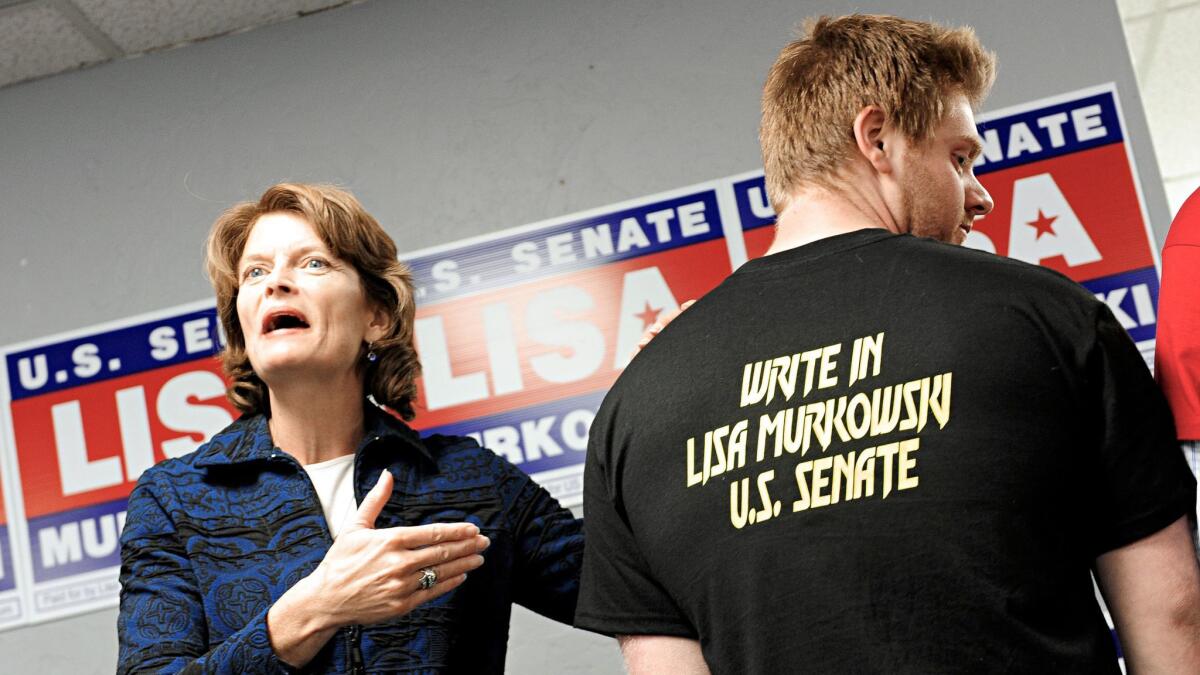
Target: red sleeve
<point x="1177" y="352"/>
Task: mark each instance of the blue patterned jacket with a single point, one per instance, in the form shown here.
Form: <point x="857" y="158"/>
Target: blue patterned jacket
<point x="213" y="538"/>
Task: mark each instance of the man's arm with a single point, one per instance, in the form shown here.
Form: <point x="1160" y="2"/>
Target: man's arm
<point x="662" y="654"/>
<point x="1152" y="588"/>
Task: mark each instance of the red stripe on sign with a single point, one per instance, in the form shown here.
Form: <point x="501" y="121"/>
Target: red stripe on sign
<point x="1077" y="214"/>
<point x="758" y="241"/>
<point x="552" y="338"/>
<point x="89" y="444"/>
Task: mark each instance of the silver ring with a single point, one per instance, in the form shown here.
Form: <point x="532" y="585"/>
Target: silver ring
<point x="428" y="578"/>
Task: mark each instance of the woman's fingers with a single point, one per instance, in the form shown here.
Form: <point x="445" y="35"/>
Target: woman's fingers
<point x="442" y="587"/>
<point x="447" y="570"/>
<point x="421" y="536"/>
<point x="659" y="325"/>
<point x="446" y="551"/>
<point x="372" y="503"/>
<point x="394" y="558"/>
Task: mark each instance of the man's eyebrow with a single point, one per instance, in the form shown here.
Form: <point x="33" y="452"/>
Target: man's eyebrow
<point x="976" y="146"/>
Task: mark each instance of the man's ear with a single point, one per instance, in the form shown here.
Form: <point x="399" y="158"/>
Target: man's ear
<point x="872" y="138"/>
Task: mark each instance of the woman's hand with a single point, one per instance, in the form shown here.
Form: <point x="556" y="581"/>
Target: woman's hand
<point x="371" y="575"/>
<point x="657" y="326"/>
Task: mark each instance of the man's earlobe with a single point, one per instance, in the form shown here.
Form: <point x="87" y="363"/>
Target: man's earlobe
<point x="878" y="156"/>
<point x="870" y="127"/>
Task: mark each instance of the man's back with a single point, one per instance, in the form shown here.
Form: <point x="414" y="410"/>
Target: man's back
<point x="877" y="453"/>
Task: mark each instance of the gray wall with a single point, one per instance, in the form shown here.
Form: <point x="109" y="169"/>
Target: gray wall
<point x="448" y="119"/>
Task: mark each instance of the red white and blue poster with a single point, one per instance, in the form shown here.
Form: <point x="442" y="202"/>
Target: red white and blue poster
<point x="11" y="609"/>
<point x="1067" y="197"/>
<point x="520" y="334"/>
<point x="87" y="413"/>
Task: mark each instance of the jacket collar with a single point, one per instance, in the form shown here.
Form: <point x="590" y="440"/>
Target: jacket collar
<point x="248" y="439"/>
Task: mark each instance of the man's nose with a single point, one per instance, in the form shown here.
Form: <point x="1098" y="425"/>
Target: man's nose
<point x="978" y="201"/>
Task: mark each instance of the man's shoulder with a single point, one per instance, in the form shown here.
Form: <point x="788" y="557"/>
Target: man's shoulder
<point x="983" y="262"/>
<point x="976" y="276"/>
<point x="875" y="251"/>
<point x="912" y="271"/>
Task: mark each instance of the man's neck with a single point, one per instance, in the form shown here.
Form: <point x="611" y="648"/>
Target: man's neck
<point x="816" y="212"/>
<point x="317" y="421"/>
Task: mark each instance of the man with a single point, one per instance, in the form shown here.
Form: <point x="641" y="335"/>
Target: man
<point x="877" y="453"/>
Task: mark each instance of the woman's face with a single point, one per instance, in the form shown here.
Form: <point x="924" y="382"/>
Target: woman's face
<point x="303" y="312"/>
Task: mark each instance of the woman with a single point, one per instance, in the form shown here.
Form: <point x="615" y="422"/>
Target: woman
<point x="318" y="531"/>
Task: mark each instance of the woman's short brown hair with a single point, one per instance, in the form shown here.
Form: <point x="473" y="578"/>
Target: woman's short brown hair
<point x="353" y="236"/>
<point x="841" y="65"/>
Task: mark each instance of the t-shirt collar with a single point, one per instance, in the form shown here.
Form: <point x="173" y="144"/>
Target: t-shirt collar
<point x="818" y="249"/>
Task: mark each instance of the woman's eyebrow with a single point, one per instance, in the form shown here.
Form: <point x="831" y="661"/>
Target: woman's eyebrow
<point x="299" y="251"/>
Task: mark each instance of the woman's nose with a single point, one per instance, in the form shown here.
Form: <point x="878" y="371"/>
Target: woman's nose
<point x="279" y="281"/>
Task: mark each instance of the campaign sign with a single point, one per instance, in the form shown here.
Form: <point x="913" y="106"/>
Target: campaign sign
<point x="10" y="600"/>
<point x="522" y="332"/>
<point x="755" y="212"/>
<point x="88" y="413"/>
<point x="1062" y="179"/>
<point x="1066" y="194"/>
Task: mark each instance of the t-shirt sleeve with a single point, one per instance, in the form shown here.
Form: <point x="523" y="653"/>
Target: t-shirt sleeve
<point x="618" y="593"/>
<point x="1143" y="483"/>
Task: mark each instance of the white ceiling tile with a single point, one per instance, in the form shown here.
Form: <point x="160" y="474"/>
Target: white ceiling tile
<point x="1135" y="8"/>
<point x="1170" y="87"/>
<point x="1179" y="190"/>
<point x="1136" y="37"/>
<point x="38" y="40"/>
<point x="142" y="25"/>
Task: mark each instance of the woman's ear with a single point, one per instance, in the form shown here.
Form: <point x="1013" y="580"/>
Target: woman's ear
<point x="872" y="138"/>
<point x="380" y="323"/>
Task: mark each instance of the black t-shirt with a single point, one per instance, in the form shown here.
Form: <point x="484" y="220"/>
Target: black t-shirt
<point x="877" y="453"/>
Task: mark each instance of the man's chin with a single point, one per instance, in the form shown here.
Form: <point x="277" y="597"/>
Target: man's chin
<point x="956" y="236"/>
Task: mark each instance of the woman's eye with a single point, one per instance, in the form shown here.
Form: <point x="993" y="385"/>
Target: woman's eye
<point x="315" y="264"/>
<point x="253" y="272"/>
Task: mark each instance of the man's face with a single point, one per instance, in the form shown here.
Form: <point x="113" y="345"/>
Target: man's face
<point x="940" y="196"/>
